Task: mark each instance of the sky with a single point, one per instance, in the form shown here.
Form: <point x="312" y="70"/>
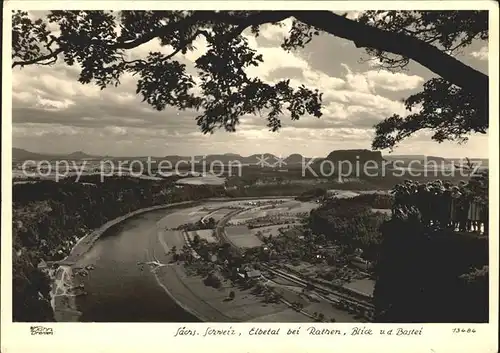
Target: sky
<point x="53" y="113"/>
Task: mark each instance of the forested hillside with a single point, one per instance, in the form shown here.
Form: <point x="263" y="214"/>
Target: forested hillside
<point x="49" y="217"/>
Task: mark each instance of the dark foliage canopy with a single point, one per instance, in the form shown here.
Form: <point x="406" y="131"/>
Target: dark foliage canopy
<point x="452" y="105"/>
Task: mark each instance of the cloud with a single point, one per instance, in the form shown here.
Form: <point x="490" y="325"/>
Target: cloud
<point x="357" y="81"/>
<point x="53" y="112"/>
<point x="392" y="81"/>
<point x="374" y="62"/>
<point x="481" y="54"/>
<point x="38" y="130"/>
<point x="276" y="33"/>
<point x="116" y="130"/>
<point x="370" y="80"/>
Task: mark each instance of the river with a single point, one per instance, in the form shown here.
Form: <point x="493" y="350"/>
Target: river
<point x="118" y="289"/>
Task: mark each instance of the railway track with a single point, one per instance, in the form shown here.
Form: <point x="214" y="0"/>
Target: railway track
<point x="320" y="289"/>
<point x="221" y="235"/>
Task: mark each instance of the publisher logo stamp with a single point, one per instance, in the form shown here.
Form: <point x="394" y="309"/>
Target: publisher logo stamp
<point x="41" y="330"/>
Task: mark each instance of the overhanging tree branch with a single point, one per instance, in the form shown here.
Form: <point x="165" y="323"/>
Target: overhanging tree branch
<point x="363" y="36"/>
<point x="201" y="17"/>
<point x="40" y="60"/>
<point x="182" y="29"/>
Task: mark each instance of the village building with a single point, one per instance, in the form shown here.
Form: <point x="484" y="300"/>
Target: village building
<point x="247" y="273"/>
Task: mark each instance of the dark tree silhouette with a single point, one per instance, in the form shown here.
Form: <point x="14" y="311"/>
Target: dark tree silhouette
<point x="454" y="104"/>
<point x="426" y="262"/>
<point x="449" y="108"/>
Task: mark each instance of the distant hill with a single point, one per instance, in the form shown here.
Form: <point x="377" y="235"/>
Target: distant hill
<point x="416" y="157"/>
<point x="437" y="159"/>
<point x="224" y="158"/>
<point x="175" y="158"/>
<point x="404" y="160"/>
<point x="20" y="154"/>
<point x="392" y="157"/>
<point x="348" y="161"/>
<point x="483" y="162"/>
<point x="80" y="155"/>
<point x="256" y="158"/>
<point x="295" y="158"/>
<point x="354" y="155"/>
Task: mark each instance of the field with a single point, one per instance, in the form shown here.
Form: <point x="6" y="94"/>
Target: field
<point x="301" y="207"/>
<point x="343" y="194"/>
<point x="311" y="303"/>
<point x="217" y="215"/>
<point x="248" y="215"/>
<point x="207" y="234"/>
<point x="214" y="305"/>
<point x="363" y="286"/>
<point x="206" y="180"/>
<point x="289" y="208"/>
<point x="241" y="237"/>
<point x="304" y="268"/>
<point x="271" y="230"/>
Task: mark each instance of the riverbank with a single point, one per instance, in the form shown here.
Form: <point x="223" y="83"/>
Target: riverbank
<point x="63" y="279"/>
<point x="186" y="290"/>
<point x="245" y="304"/>
<point x="63" y="303"/>
<point x="65" y="288"/>
<point x="207" y="303"/>
<point x="85" y="243"/>
<point x="210" y="304"/>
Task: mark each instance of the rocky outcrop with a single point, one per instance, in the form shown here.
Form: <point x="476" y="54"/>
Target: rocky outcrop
<point x="296" y="159"/>
<point x="355" y="155"/>
<point x="350" y="163"/>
